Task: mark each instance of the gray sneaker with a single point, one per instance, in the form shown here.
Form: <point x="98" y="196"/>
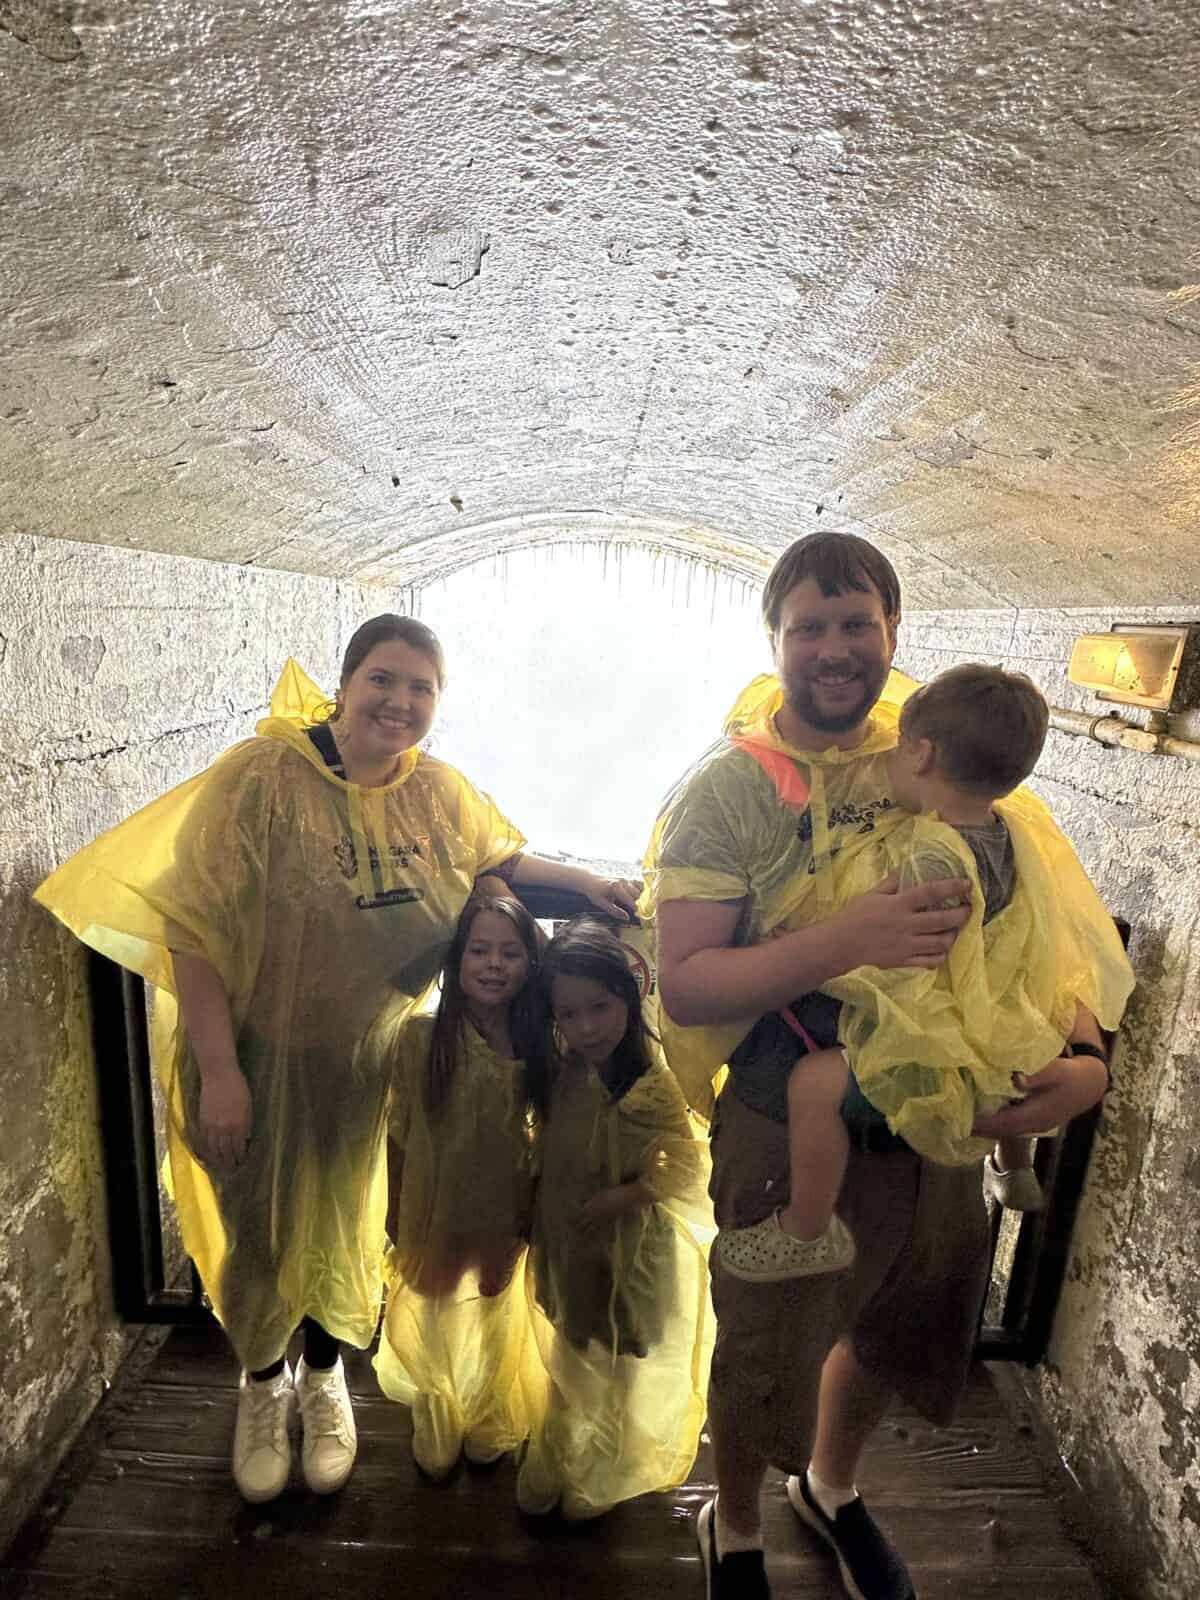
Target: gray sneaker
<point x="1016" y="1190"/>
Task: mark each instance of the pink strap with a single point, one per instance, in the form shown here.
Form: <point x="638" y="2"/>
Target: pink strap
<point x="797" y="1027"/>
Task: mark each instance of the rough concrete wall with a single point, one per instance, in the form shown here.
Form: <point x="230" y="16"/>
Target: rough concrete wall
<point x="1121" y="1382"/>
<point x="121" y="674"/>
<point x="349" y="289"/>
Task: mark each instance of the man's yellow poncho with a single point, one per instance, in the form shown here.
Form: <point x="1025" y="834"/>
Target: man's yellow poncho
<point x="930" y="1049"/>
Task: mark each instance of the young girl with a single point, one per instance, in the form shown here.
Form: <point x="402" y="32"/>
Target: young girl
<point x="618" y="1275"/>
<point x="467" y="1084"/>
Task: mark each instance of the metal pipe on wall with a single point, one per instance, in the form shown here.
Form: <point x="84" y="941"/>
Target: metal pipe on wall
<point x="1113" y="730"/>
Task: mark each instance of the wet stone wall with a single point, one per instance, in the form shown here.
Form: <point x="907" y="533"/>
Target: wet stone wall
<point x="121" y="674"/>
<point x="1121" y="1382"/>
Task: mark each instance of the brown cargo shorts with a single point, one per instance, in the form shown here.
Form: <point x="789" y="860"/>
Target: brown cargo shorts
<point x="909" y="1303"/>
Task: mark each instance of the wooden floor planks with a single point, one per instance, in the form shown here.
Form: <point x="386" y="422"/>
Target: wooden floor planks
<point x="155" y="1513"/>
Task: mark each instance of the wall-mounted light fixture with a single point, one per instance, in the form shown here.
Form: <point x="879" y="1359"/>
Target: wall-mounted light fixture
<point x="1133" y="665"/>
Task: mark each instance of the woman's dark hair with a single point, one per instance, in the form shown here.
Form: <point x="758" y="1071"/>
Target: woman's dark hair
<point x="528" y="1020"/>
<point x="586" y="948"/>
<point x="835" y="562"/>
<point x="383" y="630"/>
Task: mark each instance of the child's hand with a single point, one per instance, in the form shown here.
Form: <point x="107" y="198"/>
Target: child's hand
<point x="607" y="1207"/>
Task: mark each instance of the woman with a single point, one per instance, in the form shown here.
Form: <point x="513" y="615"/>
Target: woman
<point x="313" y="873"/>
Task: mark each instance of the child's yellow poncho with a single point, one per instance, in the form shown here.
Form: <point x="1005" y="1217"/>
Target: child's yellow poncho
<point x="465" y="1180"/>
<point x="622" y="1319"/>
<point x="316" y="901"/>
<point x="930" y="1049"/>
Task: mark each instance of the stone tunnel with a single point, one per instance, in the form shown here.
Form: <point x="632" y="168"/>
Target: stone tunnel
<point x="304" y="310"/>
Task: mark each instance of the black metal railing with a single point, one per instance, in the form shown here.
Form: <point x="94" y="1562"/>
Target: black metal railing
<point x="121" y="1043"/>
<point x="1019" y="1310"/>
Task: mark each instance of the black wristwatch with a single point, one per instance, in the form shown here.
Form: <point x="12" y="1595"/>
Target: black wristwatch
<point x="1080" y="1047"/>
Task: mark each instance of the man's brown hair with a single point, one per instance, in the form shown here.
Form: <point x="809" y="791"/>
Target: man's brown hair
<point x="987" y="726"/>
<point x="836" y="562"/>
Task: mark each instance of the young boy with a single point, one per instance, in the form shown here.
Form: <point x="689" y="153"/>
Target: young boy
<point x="966" y="740"/>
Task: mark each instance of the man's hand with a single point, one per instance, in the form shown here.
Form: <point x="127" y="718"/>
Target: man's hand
<point x="616" y="897"/>
<point x="1068" y="1086"/>
<point x="887" y="928"/>
<point x="224" y="1119"/>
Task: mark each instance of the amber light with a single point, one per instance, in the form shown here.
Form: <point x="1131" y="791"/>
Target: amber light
<point x="1136" y="666"/>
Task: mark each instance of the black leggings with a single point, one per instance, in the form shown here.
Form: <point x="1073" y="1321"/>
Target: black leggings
<point x="320" y="1352"/>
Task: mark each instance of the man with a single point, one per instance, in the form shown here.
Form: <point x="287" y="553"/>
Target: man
<point x="804" y="1369"/>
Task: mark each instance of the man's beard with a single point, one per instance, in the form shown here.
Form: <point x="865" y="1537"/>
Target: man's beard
<point x="798" y="693"/>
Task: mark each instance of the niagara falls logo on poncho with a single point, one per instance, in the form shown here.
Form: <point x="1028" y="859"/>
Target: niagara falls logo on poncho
<point x="399" y="855"/>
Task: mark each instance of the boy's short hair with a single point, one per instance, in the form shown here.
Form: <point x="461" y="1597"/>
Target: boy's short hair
<point x="836" y="562"/>
<point x="987" y="726"/>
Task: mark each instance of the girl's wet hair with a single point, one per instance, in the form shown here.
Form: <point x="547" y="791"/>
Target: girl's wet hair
<point x="528" y="1018"/>
<point x="586" y="948"/>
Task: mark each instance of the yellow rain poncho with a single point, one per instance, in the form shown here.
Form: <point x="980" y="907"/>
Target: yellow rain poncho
<point x="622" y="1319"/>
<point x="725" y="833"/>
<point x="317" y="901"/>
<point x="466" y="1194"/>
<point x="930" y="1049"/>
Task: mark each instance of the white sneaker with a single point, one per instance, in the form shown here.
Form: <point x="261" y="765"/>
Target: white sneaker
<point x="538" y="1487"/>
<point x="764" y="1253"/>
<point x="1017" y="1189"/>
<point x="262" y="1451"/>
<point x="327" y="1417"/>
<point x="437" y="1439"/>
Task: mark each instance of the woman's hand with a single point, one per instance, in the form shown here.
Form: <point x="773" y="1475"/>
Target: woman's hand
<point x="616" y="897"/>
<point x="609" y="1206"/>
<point x="1060" y="1091"/>
<point x="224" y="1116"/>
<point x="224" y="1119"/>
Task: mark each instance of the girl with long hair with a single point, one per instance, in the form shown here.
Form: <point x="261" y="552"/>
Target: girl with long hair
<point x="468" y="1084"/>
<point x="618" y="1280"/>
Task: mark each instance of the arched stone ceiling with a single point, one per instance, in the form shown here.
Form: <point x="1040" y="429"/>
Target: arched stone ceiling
<point x="370" y="288"/>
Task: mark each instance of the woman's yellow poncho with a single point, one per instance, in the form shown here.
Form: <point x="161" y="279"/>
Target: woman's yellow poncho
<point x="317" y="901"/>
<point x="931" y="1049"/>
